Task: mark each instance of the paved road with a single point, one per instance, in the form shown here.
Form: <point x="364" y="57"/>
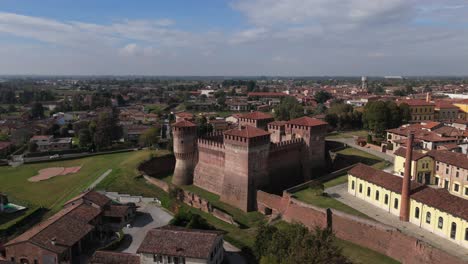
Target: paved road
<point x="340" y="193"/>
<point x="350" y="142"/>
<point x="150" y="216"/>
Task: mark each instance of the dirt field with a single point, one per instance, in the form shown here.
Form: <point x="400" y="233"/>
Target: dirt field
<point x="47" y="173"/>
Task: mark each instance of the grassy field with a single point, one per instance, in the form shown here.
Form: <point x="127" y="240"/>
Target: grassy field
<point x="362" y="255"/>
<point x="54" y="192"/>
<point x="356" y="155"/>
<point x="314" y="196"/>
<point x="348" y="134"/>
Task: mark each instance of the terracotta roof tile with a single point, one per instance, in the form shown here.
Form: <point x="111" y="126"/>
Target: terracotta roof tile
<point x="184" y="123"/>
<point x="174" y="241"/>
<point x="266" y="94"/>
<point x="257" y="116"/>
<point x="246" y="132"/>
<point x="437" y="198"/>
<point x="416" y="102"/>
<point x="416" y="154"/>
<point x="307" y="121"/>
<point x="278" y="123"/>
<point x="452" y="158"/>
<point x="380" y="178"/>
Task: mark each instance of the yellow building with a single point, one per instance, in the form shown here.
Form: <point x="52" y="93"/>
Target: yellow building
<point x="421" y="110"/>
<point x="463" y="106"/>
<point x="422" y="166"/>
<point x="435" y="210"/>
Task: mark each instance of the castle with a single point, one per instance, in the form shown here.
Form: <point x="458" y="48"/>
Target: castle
<point x="259" y="154"/>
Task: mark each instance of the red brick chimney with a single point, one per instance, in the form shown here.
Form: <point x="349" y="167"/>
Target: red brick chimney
<point x="406" y="186"/>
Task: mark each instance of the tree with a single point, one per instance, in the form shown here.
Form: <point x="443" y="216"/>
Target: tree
<point x="107" y="130"/>
<point x="295" y="244"/>
<point x="202" y="126"/>
<point x="288" y="109"/>
<point x="376" y="117"/>
<point x="405" y="113"/>
<point x="322" y="96"/>
<point x="85" y="137"/>
<point x="76" y="103"/>
<point x="150" y="137"/>
<point x="190" y="220"/>
<point x="251" y="85"/>
<point x="37" y="110"/>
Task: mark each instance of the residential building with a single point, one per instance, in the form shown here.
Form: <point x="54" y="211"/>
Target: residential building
<point x="177" y="245"/>
<point x="421" y="110"/>
<point x="77" y="228"/>
<point x="445" y="111"/>
<point x="49" y="143"/>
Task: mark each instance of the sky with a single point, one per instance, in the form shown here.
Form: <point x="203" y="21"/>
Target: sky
<point x="234" y="37"/>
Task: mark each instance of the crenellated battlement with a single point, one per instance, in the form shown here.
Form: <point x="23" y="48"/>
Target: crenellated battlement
<point x="286" y="144"/>
<point x="210" y="143"/>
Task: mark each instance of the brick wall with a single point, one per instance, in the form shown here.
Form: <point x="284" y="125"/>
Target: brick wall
<point x="209" y="172"/>
<point x="30" y="252"/>
<point x="381" y="238"/>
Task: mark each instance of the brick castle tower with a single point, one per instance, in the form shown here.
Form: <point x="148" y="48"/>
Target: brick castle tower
<point x="246" y="165"/>
<point x="185" y="150"/>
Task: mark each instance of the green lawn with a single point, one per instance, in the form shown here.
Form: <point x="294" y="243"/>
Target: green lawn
<point x="313" y="196"/>
<point x="353" y="155"/>
<point x="348" y="134"/>
<point x="358" y="254"/>
<point x="54" y="192"/>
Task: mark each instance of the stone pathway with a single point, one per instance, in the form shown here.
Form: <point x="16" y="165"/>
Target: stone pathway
<point x="340" y="193"/>
<point x="100" y="179"/>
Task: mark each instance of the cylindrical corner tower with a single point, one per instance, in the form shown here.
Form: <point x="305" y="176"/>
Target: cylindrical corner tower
<point x="185" y="150"/>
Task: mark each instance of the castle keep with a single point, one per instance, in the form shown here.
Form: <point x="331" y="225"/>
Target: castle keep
<point x="260" y="154"/>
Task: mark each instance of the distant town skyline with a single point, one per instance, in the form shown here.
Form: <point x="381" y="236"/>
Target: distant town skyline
<point x="237" y="37"/>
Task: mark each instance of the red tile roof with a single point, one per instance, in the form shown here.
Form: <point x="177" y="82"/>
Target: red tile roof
<point x="444" y="104"/>
<point x="256" y="116"/>
<point x="246" y="132"/>
<point x="380" y="178"/>
<point x="452" y="158"/>
<point x="175" y="241"/>
<point x="184" y="115"/>
<point x="416" y="154"/>
<point x="184" y="123"/>
<point x="437" y="198"/>
<point x="110" y="257"/>
<point x="307" y="121"/>
<point x="266" y="94"/>
<point x="91" y="196"/>
<point x="59" y="232"/>
<point x="416" y="102"/>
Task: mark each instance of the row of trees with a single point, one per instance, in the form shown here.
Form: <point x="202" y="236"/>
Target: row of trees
<point x="11" y="96"/>
<point x="343" y="116"/>
<point x="296" y="244"/>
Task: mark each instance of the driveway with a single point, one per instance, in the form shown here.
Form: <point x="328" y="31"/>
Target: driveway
<point x="149" y="216"/>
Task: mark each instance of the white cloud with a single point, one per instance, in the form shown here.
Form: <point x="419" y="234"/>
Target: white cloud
<point x="298" y="37"/>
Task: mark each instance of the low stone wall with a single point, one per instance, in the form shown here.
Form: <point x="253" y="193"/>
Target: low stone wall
<point x="367" y="233"/>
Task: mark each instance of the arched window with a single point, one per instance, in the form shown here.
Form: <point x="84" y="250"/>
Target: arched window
<point x="360" y="188"/>
<point x="395" y="203"/>
<point x="368" y="191"/>
<point x="440" y="223"/>
<point x="428" y="217"/>
<point x="466" y="234"/>
<point x="386" y="199"/>
<point x="377" y="195"/>
<point x="453" y="230"/>
<point x="352" y="185"/>
<point x="416" y="213"/>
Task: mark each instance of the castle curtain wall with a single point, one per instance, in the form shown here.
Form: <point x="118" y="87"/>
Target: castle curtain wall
<point x="209" y="172"/>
